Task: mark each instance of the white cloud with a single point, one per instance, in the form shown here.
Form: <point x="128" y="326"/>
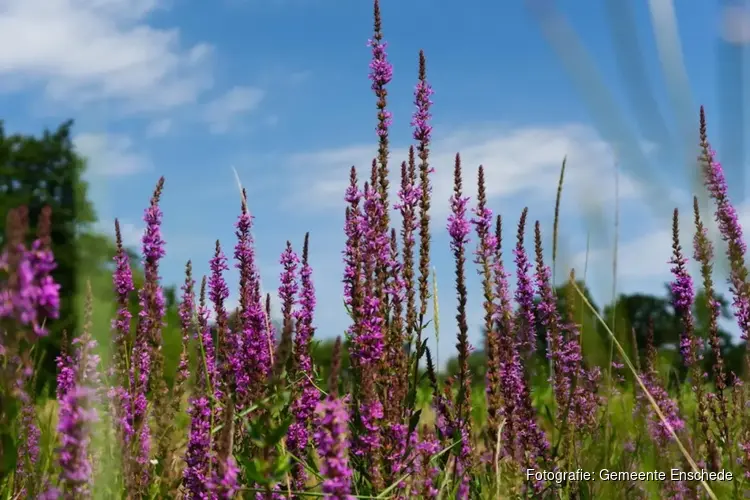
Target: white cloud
<point x="647" y="255"/>
<point x="88" y="50"/>
<point x="131" y="234"/>
<point x="735" y="24"/>
<point x="159" y="128"/>
<point x="223" y="111"/>
<point x="518" y="161"/>
<point x="110" y="154"/>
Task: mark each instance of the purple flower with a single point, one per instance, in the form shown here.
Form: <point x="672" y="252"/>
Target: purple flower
<point x="427" y="472"/>
<point x="381" y="73"/>
<point x="224" y="485"/>
<point x="288" y="287"/>
<point x="195" y="475"/>
<point x="524" y="295"/>
<point x="458" y="225"/>
<point x="229" y="358"/>
<point x="28" y="447"/>
<point x="353" y="228"/>
<point x="332" y="439"/>
<point x="303" y="406"/>
<point x="35" y="296"/>
<point x="65" y="374"/>
<point x="730" y="229"/>
<point x="658" y="429"/>
<point x="368" y="344"/>
<point x="186" y="313"/>
<point x="422" y="93"/>
<point x="683" y="296"/>
<point x="256" y="350"/>
<point x="564" y="351"/>
<point x="76" y="414"/>
<point x="75" y="417"/>
<point x="122" y="280"/>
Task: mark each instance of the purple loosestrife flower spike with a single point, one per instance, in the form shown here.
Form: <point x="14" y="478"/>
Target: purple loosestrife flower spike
<point x="303" y="407"/>
<point x="65" y="368"/>
<point x="458" y="230"/>
<point x="197" y="457"/>
<point x="353" y="229"/>
<point x="228" y="362"/>
<point x="147" y="362"/>
<point x="730" y="229"/>
<point x="332" y="436"/>
<point x="485" y="256"/>
<point x="75" y="417"/>
<point x="426" y="472"/>
<point x="368" y="344"/>
<point x="121" y="392"/>
<point x="683" y="296"/>
<point x="564" y="353"/>
<point x="289" y="286"/>
<point x="76" y="414"/>
<point x="151" y="295"/>
<point x="122" y="279"/>
<point x="422" y="93"/>
<point x="731" y="232"/>
<point x="256" y="356"/>
<point x="186" y="313"/>
<point x="208" y="371"/>
<point x="28" y="448"/>
<point x="524" y="295"/>
<point x="408" y="205"/>
<point x="30" y="295"/>
<point x="658" y="429"/>
<point x="425" y="190"/>
<point x="703" y="253"/>
<point x="195" y="475"/>
<point x="381" y="73"/>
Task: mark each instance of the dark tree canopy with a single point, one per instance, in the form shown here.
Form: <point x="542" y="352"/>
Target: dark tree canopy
<point x="46" y="170"/>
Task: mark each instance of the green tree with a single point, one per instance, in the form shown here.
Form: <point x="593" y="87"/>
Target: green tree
<point x="40" y="171"/>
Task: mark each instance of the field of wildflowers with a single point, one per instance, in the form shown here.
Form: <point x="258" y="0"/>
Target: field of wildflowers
<point x="248" y="414"/>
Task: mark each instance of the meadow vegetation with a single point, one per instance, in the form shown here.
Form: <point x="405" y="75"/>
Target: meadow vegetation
<point x="113" y="385"/>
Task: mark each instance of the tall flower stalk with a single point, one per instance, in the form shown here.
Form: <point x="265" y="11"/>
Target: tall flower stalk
<point x="332" y="436"/>
<point x="459" y="229"/>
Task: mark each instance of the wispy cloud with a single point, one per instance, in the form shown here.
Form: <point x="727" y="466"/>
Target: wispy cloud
<point x="88" y="50"/>
<point x="159" y="128"/>
<point x="517" y="161"/>
<point x="111" y="154"/>
<point x="222" y="112"/>
<point x="735" y="24"/>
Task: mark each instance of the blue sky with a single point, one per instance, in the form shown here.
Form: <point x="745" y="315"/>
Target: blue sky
<point x="278" y="90"/>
